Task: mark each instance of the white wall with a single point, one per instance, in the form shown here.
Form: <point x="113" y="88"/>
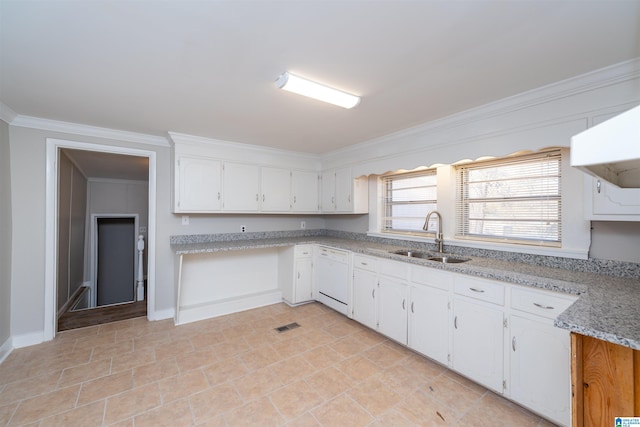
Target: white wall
<point x="5" y="238"/>
<point x="619" y="241"/>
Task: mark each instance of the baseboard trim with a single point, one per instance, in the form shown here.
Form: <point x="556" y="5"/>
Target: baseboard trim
<point x="5" y="349"/>
<point x="25" y="340"/>
<point x="168" y="313"/>
<point x="193" y="313"/>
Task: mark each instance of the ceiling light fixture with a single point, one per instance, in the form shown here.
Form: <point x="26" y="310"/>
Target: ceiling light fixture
<point x="301" y="86"/>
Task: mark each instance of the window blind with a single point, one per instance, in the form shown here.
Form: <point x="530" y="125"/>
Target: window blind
<point x="516" y="199"/>
<point x="407" y="200"/>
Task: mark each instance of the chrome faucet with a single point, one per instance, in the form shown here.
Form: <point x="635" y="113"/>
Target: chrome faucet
<point x="425" y="227"/>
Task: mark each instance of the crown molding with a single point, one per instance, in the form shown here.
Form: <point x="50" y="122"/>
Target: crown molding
<point x="603" y="77"/>
<point x="7" y="115"/>
<point x="182" y="138"/>
<point x="86" y="130"/>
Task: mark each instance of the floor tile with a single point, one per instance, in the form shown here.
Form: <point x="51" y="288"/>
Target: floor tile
<point x="342" y="411"/>
<point x="236" y="370"/>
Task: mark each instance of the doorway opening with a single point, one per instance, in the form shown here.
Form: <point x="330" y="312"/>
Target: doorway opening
<point x="94" y="197"/>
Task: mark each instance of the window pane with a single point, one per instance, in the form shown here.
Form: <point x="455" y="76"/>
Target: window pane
<point x="408" y="199"/>
<point x="511" y="199"/>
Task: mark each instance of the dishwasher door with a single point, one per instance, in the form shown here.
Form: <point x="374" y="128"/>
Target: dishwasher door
<point x="333" y="279"/>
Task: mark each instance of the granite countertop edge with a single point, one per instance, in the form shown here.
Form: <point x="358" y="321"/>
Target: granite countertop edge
<point x="606" y="307"/>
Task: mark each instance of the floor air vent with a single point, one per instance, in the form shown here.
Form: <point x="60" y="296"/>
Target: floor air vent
<point x="285" y="328"/>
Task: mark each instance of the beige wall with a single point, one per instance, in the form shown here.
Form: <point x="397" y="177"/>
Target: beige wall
<point x="72" y="208"/>
<point x="5" y="236"/>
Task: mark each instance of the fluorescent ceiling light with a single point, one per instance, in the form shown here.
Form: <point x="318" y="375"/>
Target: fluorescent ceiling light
<point x="297" y="84"/>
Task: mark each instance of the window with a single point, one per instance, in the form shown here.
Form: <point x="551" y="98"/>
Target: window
<point x="407" y="200"/>
<point x="513" y="200"/>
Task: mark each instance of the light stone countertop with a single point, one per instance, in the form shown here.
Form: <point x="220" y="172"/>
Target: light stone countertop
<point x="608" y="307"/>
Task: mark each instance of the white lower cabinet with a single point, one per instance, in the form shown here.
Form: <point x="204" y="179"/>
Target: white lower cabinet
<point x="540" y="354"/>
<point x="429" y="322"/>
<point x="297" y="288"/>
<point x="392" y="309"/>
<point x="365" y="289"/>
<point x="478" y="337"/>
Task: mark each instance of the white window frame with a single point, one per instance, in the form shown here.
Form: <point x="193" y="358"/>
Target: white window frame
<point x="576" y="230"/>
<point x="463" y="199"/>
<point x="384" y="183"/>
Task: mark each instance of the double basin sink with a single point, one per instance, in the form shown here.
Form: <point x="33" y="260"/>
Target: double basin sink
<point x="444" y="258"/>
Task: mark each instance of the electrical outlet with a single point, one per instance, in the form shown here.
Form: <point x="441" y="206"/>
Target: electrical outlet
<point x="243" y="228"/>
<point x="185" y="219"/>
<point x="303" y="225"/>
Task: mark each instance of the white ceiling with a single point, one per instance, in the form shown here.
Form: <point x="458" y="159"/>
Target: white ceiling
<point x="207" y="68"/>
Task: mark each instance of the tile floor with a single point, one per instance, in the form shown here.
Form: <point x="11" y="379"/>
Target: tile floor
<point x="236" y="370"/>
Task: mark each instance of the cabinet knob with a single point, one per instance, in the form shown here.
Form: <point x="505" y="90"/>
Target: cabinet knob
<point x="598" y="186"/>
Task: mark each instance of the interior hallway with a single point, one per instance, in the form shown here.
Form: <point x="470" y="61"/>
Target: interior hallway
<point x="237" y="370"/>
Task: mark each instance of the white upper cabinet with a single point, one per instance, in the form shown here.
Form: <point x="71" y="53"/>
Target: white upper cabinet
<point x="241" y="187"/>
<point x="304" y="191"/>
<point x="197" y="185"/>
<point x="276" y="190"/>
<point x="607" y="202"/>
<point x="343" y="194"/>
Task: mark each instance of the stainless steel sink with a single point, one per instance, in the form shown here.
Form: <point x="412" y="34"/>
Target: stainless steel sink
<point x="413" y="254"/>
<point x="447" y="259"/>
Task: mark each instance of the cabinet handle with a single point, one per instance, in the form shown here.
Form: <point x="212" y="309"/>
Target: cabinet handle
<point x="298" y="274"/>
<point x="373" y="293"/>
<point x="455" y="322"/>
<point x="363" y="263"/>
<point x="480" y="291"/>
<point x="598" y="186"/>
<point x="412" y="307"/>
<point x="218" y="195"/>
<point x="513" y="343"/>
<point x="349" y="198"/>
<point x="545" y="307"/>
<point x="294" y="199"/>
<point x="403" y="304"/>
<point x="257" y="197"/>
<point x="263" y="197"/>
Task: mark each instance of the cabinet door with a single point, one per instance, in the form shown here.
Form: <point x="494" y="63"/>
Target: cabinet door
<point x="429" y="322"/>
<point x="392" y="309"/>
<point x="343" y="185"/>
<point x="305" y="191"/>
<point x="276" y="190"/>
<point x="328" y="191"/>
<point x="478" y="342"/>
<point x="198" y="185"/>
<point x="365" y="289"/>
<point x="540" y="367"/>
<point x="241" y="187"/>
<point x="304" y="280"/>
<point x="609" y="200"/>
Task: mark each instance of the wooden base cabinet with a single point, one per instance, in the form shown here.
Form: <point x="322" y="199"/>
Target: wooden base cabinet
<point x="605" y="382"/>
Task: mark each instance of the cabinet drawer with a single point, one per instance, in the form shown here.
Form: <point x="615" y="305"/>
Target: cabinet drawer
<point x="431" y="277"/>
<point x="334" y="254"/>
<point x="303" y="251"/>
<point x="541" y="303"/>
<point x="480" y="289"/>
<point x="397" y="269"/>
<point x="365" y="263"/>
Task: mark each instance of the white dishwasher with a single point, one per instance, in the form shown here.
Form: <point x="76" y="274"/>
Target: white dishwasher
<point x="333" y="278"/>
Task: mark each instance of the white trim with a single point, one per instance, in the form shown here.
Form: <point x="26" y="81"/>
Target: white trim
<point x="85" y="130"/>
<point x="25" y="340"/>
<point x="167" y="313"/>
<point x="5" y="349"/>
<point x="51" y="215"/>
<point x="6" y="113"/>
